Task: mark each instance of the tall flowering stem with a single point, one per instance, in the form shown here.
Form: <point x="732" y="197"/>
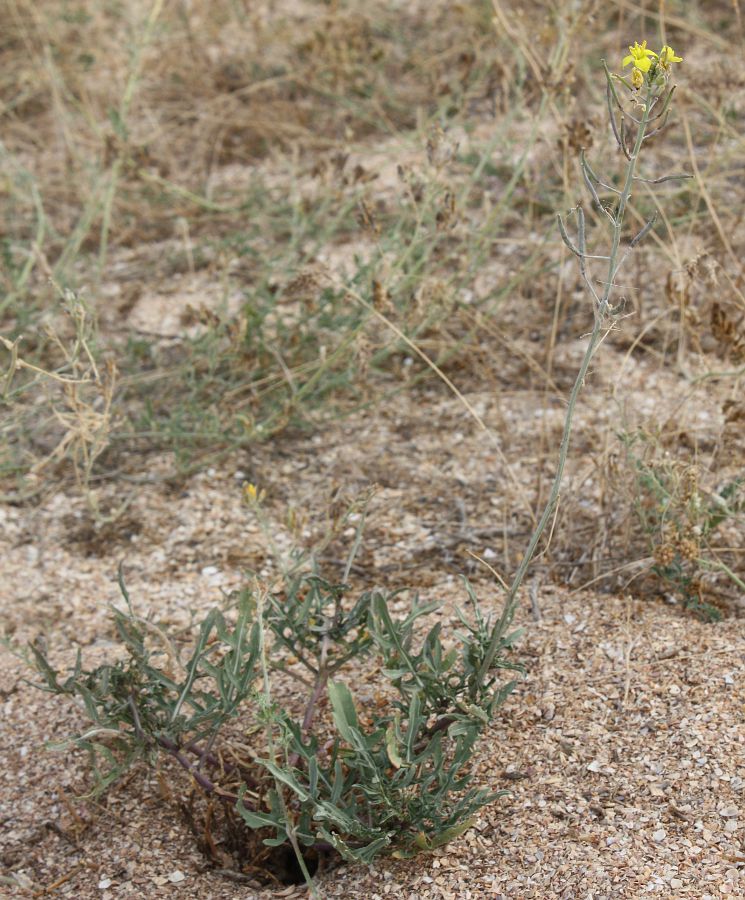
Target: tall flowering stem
<point x="655" y="83"/>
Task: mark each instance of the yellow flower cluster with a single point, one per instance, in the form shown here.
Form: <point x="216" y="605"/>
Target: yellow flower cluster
<point x="645" y="60"/>
<point x="252" y="495"/>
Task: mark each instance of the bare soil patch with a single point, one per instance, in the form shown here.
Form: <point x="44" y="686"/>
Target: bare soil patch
<point x="622" y="748"/>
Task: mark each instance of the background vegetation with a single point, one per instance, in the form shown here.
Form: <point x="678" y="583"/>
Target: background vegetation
<point x="270" y="216"/>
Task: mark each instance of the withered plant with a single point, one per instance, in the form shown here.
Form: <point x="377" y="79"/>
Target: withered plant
<point x="70" y="419"/>
<point x="679" y="515"/>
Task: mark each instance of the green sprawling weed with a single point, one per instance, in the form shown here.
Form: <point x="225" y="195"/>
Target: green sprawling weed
<point x="391" y="775"/>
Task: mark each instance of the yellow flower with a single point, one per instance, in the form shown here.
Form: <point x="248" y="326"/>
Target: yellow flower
<point x="250" y="493"/>
<point x="637" y="78"/>
<point x="639" y="56"/>
<point x="667" y="56"/>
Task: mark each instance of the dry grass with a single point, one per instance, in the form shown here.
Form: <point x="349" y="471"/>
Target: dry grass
<point x="285" y="217"/>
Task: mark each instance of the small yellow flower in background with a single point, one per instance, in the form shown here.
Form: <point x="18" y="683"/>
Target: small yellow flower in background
<point x="639" y="55"/>
<point x="250" y="493"/>
<point x="667" y="57"/>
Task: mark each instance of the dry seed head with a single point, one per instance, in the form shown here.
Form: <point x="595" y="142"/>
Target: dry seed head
<point x="440" y="149"/>
<point x="413" y="182"/>
<point x="305" y="287"/>
<point x="690" y="484"/>
<point x="446" y="213"/>
<point x="664" y="554"/>
<point x="729" y="334"/>
<point x="578" y="135"/>
<point x="381" y="297"/>
<point x="703" y="265"/>
<point x="367" y="220"/>
<point x="331" y="167"/>
<point x="688" y="549"/>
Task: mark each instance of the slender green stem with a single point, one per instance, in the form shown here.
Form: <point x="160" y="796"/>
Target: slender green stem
<point x="601" y="311"/>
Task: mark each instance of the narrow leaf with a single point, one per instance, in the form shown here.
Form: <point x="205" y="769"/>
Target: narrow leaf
<point x="345" y="715"/>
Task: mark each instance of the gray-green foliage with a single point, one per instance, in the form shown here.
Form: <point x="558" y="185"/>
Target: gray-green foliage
<point x="394" y="779"/>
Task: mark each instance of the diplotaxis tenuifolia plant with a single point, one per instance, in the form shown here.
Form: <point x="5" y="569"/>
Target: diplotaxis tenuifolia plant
<point x="392" y="776"/>
<point x="649" y="96"/>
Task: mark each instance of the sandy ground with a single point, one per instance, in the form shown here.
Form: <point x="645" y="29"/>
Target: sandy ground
<point x="623" y="748"/>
